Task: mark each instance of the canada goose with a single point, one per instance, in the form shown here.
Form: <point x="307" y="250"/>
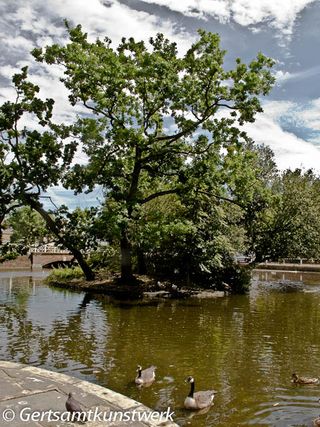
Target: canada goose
<point x="161" y="285"/>
<point x="198" y="400"/>
<point x="145" y="376"/>
<point x="226" y="288"/>
<point x="74" y="407"/>
<point x="303" y="380"/>
<point x="316" y="422"/>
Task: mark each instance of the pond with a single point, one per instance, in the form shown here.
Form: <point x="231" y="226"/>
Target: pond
<point x="245" y="347"/>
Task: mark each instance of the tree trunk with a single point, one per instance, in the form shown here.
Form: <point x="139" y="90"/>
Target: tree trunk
<point x="37" y="206"/>
<point x="82" y="262"/>
<point x="142" y="268"/>
<point x="125" y="244"/>
<point x="126" y="257"/>
<point x="1" y="231"/>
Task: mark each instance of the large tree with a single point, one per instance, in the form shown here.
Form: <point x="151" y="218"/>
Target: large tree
<point x="159" y="120"/>
<point x="34" y="157"/>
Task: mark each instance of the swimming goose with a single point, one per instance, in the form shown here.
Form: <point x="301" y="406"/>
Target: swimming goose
<point x="199" y="399"/>
<point x="316" y="422"/>
<point x="145" y="376"/>
<point x="303" y="380"/>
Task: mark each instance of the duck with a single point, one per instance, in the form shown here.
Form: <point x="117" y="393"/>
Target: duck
<point x="303" y="380"/>
<point x="145" y="376"/>
<point x="199" y="399"/>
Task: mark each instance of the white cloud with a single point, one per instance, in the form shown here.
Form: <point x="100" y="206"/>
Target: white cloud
<point x="17" y="43"/>
<point x="25" y="25"/>
<point x="311" y="115"/>
<point x="45" y="19"/>
<point x="279" y="14"/>
<point x="290" y="151"/>
<point x="283" y="76"/>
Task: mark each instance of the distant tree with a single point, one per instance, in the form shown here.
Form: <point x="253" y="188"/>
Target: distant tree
<point x="292" y="228"/>
<point x="257" y="195"/>
<point x="28" y="227"/>
<point x="160" y="122"/>
<point x="80" y="227"/>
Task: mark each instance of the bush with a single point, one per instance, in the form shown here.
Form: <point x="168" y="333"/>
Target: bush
<point x="59" y="275"/>
<point x="105" y="257"/>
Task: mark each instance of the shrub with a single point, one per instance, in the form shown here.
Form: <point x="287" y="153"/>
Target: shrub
<point x="59" y="275"/>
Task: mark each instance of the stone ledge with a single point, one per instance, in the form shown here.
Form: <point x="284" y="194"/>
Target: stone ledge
<point x="24" y="386"/>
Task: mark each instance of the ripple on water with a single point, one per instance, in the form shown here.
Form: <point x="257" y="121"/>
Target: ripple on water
<point x="287" y="411"/>
<point x="244" y="346"/>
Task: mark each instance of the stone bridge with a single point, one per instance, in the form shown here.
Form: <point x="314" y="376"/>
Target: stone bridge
<point x="45" y="256"/>
<point x="49" y="260"/>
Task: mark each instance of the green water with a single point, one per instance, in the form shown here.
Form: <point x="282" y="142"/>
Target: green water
<point x="245" y="347"/>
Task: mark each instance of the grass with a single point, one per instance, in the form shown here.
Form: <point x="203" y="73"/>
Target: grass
<point x="62" y="275"/>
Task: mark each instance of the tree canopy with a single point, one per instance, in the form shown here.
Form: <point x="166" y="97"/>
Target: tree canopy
<point x="159" y="123"/>
<point x="33" y="157"/>
<point x="185" y="188"/>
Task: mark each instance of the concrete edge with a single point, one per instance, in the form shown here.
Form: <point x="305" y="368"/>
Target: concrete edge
<point x="109" y="396"/>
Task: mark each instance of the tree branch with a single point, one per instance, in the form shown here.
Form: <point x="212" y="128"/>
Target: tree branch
<point x="226" y="199"/>
<point x="159" y="194"/>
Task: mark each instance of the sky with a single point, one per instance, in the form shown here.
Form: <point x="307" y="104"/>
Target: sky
<point x="286" y="30"/>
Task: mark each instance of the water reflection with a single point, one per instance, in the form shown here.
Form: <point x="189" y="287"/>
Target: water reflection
<point x="245" y="347"/>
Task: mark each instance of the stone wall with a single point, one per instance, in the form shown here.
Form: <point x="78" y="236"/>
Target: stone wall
<point x="22" y="261"/>
<point x="36" y="260"/>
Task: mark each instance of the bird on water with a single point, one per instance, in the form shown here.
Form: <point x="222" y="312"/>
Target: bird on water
<point x="199" y="399"/>
<point x="145" y="376"/>
<point x="316" y="422"/>
<point x="303" y="380"/>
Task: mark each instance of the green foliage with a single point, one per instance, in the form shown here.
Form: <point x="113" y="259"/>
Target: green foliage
<point x="105" y="257"/>
<point x="78" y="226"/>
<point x="293" y="220"/>
<point x="28" y="227"/>
<point x="10" y="251"/>
<point x="37" y="157"/>
<point x="62" y="275"/>
<point x="154" y="130"/>
<point x="34" y="158"/>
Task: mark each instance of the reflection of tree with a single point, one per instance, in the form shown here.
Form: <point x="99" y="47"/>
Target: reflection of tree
<point x="243" y="346"/>
<point x="14" y="319"/>
<point x="76" y="340"/>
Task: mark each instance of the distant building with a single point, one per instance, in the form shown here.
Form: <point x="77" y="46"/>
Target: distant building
<point x="6" y="235"/>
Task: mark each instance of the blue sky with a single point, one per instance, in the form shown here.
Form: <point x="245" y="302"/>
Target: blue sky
<point x="286" y="30"/>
